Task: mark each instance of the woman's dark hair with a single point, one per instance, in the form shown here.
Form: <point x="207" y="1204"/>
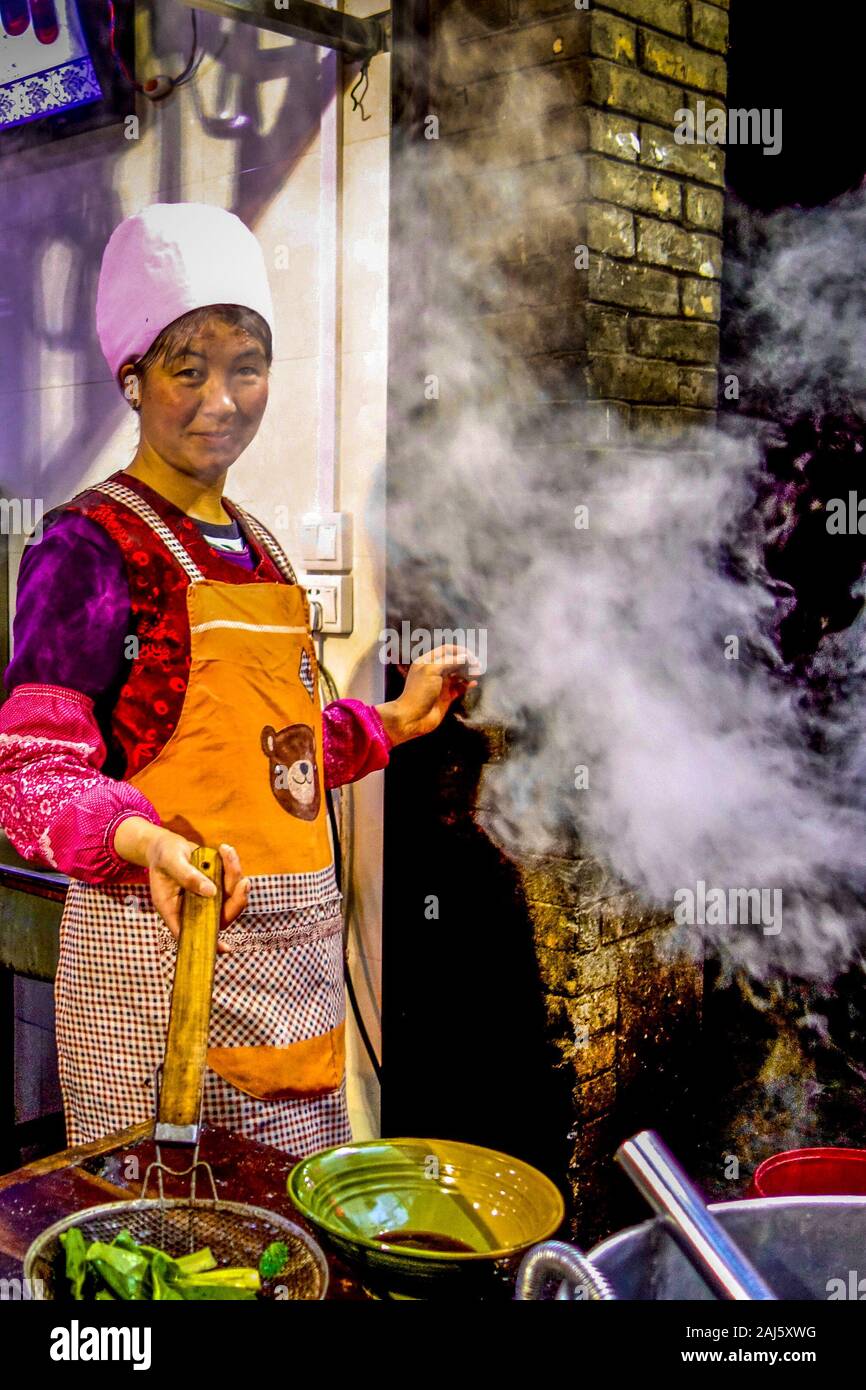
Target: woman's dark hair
<point x="175" y="339"/>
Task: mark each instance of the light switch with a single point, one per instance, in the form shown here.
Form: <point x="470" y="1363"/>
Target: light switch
<point x="326" y="548"/>
<point x="326" y="540"/>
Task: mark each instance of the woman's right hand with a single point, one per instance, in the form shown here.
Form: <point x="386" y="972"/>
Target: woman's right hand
<point x="167" y="858"/>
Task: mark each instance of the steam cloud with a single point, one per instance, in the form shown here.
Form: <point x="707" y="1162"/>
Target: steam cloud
<point x="607" y="645"/>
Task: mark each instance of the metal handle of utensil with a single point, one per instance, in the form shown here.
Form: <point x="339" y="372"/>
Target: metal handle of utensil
<point x="657" y="1175"/>
<point x="554" y="1259"/>
<point x="180" y="1092"/>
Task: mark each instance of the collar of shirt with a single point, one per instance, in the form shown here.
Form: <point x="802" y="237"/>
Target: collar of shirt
<point x="227" y="538"/>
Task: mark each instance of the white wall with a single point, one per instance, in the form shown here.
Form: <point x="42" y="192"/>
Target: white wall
<point x="63" y="423"/>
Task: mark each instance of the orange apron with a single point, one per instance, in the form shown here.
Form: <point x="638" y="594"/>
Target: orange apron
<point x="244" y="766"/>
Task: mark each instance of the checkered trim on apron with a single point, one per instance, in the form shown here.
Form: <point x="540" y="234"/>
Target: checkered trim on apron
<point x="113" y="992"/>
<point x="131" y="499"/>
<point x="291" y="892"/>
<point x="142" y="509"/>
<point x="118" y="493"/>
<point x="305" y="671"/>
<point x="268" y="542"/>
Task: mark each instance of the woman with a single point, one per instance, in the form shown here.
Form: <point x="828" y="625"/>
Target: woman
<point x="164" y="694"/>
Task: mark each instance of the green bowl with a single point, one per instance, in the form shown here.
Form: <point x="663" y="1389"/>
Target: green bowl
<point x="427" y="1217"/>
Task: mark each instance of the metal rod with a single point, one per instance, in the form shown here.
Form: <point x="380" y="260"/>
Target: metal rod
<point x="308" y="22"/>
<point x="656" y="1173"/>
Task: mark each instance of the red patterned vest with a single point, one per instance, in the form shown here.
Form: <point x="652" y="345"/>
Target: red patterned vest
<point x="150" y="701"/>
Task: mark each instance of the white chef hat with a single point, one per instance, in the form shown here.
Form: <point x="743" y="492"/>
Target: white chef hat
<point x="170" y="258"/>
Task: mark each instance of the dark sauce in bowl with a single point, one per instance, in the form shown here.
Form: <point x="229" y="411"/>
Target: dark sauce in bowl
<point x="426" y="1240"/>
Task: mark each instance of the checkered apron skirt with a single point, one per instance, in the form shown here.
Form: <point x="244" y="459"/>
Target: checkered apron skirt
<point x="283" y="981"/>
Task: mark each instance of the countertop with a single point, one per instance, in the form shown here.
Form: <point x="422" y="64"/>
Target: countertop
<point x="34" y="1197"/>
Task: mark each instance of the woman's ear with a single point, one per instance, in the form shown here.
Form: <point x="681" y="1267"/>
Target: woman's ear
<point x="131" y="384"/>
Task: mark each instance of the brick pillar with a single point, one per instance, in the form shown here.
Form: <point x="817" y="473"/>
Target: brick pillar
<point x="656" y="210"/>
<point x="559" y="126"/>
<point x="576" y="108"/>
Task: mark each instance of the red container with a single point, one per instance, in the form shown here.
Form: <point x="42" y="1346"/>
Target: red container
<point x="812" y="1173"/>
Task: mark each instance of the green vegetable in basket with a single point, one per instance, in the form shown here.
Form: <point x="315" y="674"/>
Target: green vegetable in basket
<point x="197" y="1262"/>
<point x="163" y="1272"/>
<point x="273" y="1258"/>
<point x="181" y="1264"/>
<point x="128" y="1270"/>
<point x="124" y="1271"/>
<point x="76" y="1260"/>
<point x="126" y="1241"/>
<point x="220" y="1283"/>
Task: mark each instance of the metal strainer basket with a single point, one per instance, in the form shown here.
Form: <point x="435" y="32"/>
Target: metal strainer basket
<point x="237" y="1233"/>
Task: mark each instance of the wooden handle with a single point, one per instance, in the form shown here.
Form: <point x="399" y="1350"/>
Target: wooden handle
<point x="189" y="1021"/>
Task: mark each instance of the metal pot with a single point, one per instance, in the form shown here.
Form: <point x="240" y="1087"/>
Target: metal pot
<point x="805" y="1247"/>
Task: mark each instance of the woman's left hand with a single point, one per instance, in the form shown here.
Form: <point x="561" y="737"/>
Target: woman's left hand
<point x="433" y="682"/>
<point x="167" y="857"/>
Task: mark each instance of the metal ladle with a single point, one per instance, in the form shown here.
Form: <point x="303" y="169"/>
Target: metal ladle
<point x="671" y="1194"/>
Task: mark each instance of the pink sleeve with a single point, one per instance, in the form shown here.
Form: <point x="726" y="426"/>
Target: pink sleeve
<point x="56" y="807"/>
<point x="355" y="741"/>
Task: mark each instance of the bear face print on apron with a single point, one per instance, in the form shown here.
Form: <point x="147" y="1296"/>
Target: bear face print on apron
<point x="243" y="766"/>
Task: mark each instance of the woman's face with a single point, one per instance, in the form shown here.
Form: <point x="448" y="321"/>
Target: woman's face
<point x="200" y="412"/>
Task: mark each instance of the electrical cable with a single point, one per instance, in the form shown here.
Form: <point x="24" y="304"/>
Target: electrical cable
<point x="342" y="832"/>
<point x="155" y="88"/>
<point x="363" y="82"/>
